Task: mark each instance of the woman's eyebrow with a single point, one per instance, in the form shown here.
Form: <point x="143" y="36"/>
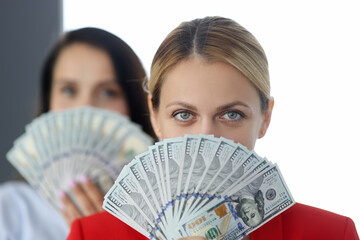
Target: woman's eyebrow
<point x="63" y="81"/>
<point x="232" y="104"/>
<point x="183" y="104"/>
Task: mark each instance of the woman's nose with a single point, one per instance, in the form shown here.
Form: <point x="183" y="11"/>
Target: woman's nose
<point x="86" y="100"/>
<point x="208" y="127"/>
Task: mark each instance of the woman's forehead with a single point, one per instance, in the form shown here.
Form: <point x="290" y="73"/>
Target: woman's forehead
<point x="194" y="80"/>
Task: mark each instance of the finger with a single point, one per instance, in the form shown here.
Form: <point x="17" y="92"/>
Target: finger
<point x="68" y="208"/>
<point x="94" y="194"/>
<point x="83" y="201"/>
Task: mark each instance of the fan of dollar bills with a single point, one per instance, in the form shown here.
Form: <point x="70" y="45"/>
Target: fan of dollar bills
<point x="58" y="147"/>
<point x="198" y="185"/>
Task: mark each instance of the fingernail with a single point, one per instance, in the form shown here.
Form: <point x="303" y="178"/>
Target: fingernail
<point x="61" y="194"/>
<point x="72" y="184"/>
<point x="62" y="207"/>
<point x="84" y="179"/>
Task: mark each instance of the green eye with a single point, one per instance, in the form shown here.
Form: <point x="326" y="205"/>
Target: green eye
<point x="232" y="115"/>
<point x="183" y="116"/>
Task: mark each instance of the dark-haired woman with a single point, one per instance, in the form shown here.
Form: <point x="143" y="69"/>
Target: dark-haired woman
<point x="86" y="67"/>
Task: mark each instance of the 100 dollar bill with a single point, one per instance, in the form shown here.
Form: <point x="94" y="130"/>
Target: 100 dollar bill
<point x="250" y="206"/>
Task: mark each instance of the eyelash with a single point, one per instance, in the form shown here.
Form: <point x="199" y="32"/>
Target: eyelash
<point x="240" y="116"/>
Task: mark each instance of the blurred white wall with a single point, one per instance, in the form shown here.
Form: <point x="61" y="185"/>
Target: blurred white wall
<point x="313" y="49"/>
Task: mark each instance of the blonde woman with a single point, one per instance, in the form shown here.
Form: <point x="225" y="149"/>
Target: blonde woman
<point x="210" y="76"/>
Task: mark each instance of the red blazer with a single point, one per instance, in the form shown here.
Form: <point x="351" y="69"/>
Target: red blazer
<point x="299" y="222"/>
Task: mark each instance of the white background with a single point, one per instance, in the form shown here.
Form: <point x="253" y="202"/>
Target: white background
<point x="314" y="56"/>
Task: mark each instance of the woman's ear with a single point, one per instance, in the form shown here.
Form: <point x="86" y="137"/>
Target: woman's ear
<point x="266" y="118"/>
<point x="154" y="117"/>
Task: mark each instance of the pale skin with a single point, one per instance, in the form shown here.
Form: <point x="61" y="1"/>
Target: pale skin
<point x="209" y="98"/>
<point x="84" y="76"/>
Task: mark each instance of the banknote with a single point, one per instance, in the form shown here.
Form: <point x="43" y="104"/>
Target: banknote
<point x="198" y="185"/>
<point x="200" y="168"/>
<point x="125" y="208"/>
<point x="142" y="200"/>
<point x="154" y="162"/>
<point x="146" y="181"/>
<point x="243" y="210"/>
<point x="173" y="156"/>
<point x="190" y="145"/>
<point x="59" y="147"/>
<point x="221" y="166"/>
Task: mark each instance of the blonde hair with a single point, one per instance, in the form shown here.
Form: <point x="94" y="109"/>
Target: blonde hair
<point x="214" y="39"/>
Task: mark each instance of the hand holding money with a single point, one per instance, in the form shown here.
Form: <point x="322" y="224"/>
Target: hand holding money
<point x="58" y="149"/>
<point x="88" y="200"/>
<point x="198" y="185"/>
